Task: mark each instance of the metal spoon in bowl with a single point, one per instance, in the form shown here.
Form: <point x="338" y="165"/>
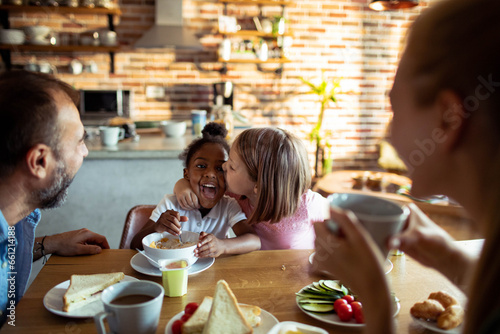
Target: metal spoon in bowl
<point x="146" y="256"/>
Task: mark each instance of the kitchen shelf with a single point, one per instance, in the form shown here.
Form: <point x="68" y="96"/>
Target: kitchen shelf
<point x="59" y="48"/>
<point x="255" y="33"/>
<point x="256" y="61"/>
<point x="61" y="10"/>
<point x="6" y="50"/>
<point x="257" y="2"/>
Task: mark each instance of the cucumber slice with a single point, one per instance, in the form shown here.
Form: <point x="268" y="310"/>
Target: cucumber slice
<point x="334" y="285"/>
<point x="320" y="308"/>
<point x="314" y="301"/>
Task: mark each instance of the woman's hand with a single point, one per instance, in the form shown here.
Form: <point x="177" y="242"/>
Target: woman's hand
<point x="429" y="244"/>
<point x="209" y="246"/>
<point x="170" y="221"/>
<point x="185" y="195"/>
<point x="352" y="256"/>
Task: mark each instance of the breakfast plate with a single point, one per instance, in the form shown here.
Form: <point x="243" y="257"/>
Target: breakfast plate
<point x="53" y="301"/>
<point x="432" y="325"/>
<point x="387" y="265"/>
<point x="142" y="265"/>
<point x="332" y="318"/>
<point x="268" y="322"/>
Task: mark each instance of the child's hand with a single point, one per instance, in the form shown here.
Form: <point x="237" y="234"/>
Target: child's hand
<point x="185" y="195"/>
<point x="169" y="221"/>
<point x="208" y="246"/>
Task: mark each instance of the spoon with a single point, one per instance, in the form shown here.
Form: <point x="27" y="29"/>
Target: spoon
<point x="146" y="256"/>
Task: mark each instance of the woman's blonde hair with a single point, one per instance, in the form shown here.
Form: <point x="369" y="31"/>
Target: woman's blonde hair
<point x="276" y="161"/>
<point x="455" y="46"/>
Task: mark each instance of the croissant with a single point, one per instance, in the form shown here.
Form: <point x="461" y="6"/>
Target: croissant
<point x="428" y="309"/>
<point x="444" y="298"/>
<point x="451" y="317"/>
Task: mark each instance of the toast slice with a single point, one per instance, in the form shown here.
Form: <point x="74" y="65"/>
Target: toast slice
<point x="225" y="315"/>
<point x="197" y="321"/>
<point x="84" y="289"/>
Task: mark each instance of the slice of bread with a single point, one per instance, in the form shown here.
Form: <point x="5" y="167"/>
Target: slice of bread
<point x="197" y="321"/>
<point x="225" y="315"/>
<point x="82" y="289"/>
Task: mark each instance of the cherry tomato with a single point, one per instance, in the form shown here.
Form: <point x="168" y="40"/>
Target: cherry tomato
<point x="177" y="326"/>
<point x="357" y="310"/>
<point x="349" y="298"/>
<point x="185" y="317"/>
<point x="191" y="308"/>
<point x="339" y="302"/>
<point x="344" y="311"/>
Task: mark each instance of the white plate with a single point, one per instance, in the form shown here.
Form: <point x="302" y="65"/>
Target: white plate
<point x="387" y="265"/>
<point x="53" y="301"/>
<point x="142" y="265"/>
<point x="333" y="318"/>
<point x="268" y="322"/>
<point x="432" y="325"/>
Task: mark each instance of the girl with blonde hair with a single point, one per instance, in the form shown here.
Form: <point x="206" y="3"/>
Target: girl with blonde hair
<point x="269" y="175"/>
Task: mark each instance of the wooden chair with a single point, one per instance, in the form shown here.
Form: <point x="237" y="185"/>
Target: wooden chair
<point x="137" y="217"/>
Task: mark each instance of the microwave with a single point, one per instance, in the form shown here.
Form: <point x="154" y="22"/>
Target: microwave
<point x="101" y="105"/>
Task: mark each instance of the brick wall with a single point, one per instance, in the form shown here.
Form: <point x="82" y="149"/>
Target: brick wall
<point x="343" y="38"/>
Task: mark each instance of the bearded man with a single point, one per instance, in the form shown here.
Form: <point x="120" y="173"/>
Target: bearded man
<point x="41" y="149"/>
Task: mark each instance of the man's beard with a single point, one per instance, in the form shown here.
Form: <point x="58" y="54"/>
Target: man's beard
<point x="56" y="194"/>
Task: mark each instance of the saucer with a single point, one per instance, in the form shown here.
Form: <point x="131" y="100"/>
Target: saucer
<point x="142" y="265"/>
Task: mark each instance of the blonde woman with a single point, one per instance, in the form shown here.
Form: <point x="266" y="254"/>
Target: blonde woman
<point x="446" y="126"/>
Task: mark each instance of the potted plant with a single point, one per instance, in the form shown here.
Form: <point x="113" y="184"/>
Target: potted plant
<point x="326" y="89"/>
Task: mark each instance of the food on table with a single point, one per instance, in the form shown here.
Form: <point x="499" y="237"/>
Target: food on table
<point x="166" y="243"/>
<point x="197" y="321"/>
<point x="84" y="289"/>
<point x="451" y="317"/>
<point x="225" y="315"/>
<point x="444" y="298"/>
<point x="330" y="296"/>
<point x="429" y="309"/>
<point x="440" y="307"/>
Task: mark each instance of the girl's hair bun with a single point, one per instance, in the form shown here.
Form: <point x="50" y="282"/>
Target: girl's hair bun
<point x="213" y="129"/>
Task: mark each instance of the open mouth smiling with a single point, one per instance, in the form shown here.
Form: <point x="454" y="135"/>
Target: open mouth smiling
<point x="209" y="190"/>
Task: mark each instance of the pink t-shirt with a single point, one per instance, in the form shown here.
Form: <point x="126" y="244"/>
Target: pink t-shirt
<point x="294" y="232"/>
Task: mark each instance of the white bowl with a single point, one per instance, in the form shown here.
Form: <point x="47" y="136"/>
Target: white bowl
<point x="173" y="128"/>
<point x="171" y="254"/>
<point x="295" y="327"/>
<point x="108" y="38"/>
<point x="12" y="36"/>
<point x="36" y="31"/>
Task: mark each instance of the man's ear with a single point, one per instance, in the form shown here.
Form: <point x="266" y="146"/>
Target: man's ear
<point x="186" y="175"/>
<point x="453" y="119"/>
<point x="38" y="160"/>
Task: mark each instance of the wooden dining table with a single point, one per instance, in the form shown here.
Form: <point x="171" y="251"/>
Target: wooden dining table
<point x="268" y="279"/>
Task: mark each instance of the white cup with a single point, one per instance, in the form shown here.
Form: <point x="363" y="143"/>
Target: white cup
<point x="131" y="307"/>
<point x="380" y="217"/>
<point x="110" y="135"/>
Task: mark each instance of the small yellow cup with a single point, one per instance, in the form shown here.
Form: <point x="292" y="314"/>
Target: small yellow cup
<point x="174" y="277"/>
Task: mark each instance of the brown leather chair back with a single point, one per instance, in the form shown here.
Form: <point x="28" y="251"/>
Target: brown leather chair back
<point x="137" y="217"/>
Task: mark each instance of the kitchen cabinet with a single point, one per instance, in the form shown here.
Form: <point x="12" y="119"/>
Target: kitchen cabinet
<point x="6" y="49"/>
<point x="262" y="41"/>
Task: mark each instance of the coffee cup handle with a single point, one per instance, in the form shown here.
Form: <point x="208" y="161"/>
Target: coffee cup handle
<point x="99" y="322"/>
<point x="121" y="136"/>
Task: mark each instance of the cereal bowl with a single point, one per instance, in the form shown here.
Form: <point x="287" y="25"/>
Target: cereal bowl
<point x="158" y="254"/>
